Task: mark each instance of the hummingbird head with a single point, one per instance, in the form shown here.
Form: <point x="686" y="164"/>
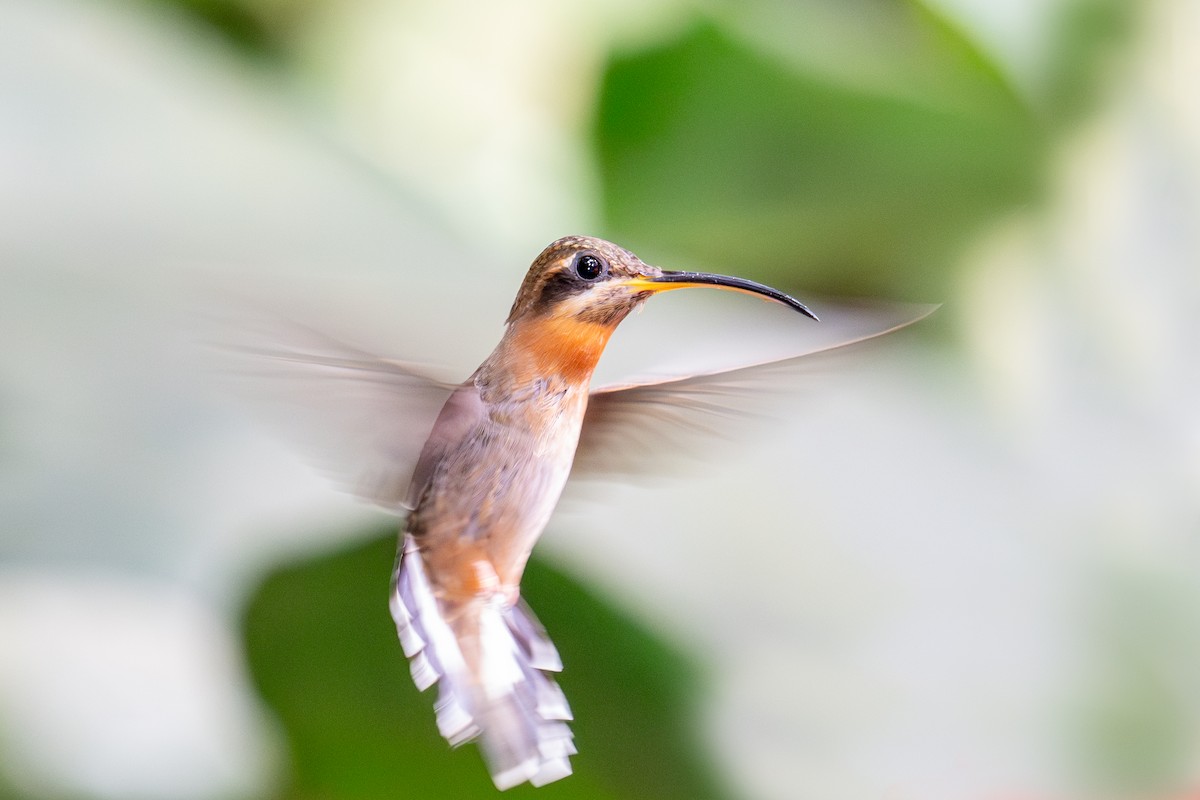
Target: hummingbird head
<point x="574" y="296"/>
<point x="594" y="282"/>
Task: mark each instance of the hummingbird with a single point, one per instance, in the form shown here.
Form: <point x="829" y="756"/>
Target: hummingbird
<point x="484" y="487"/>
<point x="481" y="489"/>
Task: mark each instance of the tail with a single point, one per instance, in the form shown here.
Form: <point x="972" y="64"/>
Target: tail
<point x="490" y="662"/>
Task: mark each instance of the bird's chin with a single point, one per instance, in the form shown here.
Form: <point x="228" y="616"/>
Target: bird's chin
<point x="638" y="301"/>
<point x="608" y="311"/>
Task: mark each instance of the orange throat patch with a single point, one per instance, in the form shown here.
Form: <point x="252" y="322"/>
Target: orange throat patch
<point x="558" y="346"/>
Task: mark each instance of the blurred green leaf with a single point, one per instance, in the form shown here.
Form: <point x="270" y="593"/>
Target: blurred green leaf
<point x="722" y="153"/>
<point x="323" y="651"/>
<point x="1136" y="727"/>
<point x="1088" y="36"/>
<point x="261" y="29"/>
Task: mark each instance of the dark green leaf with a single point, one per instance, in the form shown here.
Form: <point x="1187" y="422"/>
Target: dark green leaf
<point x="324" y="654"/>
<point x="734" y="159"/>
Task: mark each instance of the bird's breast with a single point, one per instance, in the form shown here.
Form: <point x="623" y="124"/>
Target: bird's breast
<point x="493" y="494"/>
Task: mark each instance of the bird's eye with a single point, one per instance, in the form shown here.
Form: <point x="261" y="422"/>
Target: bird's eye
<point x="589" y="267"/>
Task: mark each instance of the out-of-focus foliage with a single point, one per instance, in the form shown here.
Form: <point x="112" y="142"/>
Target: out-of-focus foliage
<point x="846" y="147"/>
<point x="258" y="28"/>
<point x="727" y="155"/>
<point x="324" y="654"/>
<point x="853" y="146"/>
<point x="860" y="166"/>
<point x="1089" y="36"/>
<point x="1131" y="728"/>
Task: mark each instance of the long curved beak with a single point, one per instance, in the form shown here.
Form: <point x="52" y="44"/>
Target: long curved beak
<point x="683" y="280"/>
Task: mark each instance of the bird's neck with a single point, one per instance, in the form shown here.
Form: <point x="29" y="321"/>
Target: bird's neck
<point x="550" y="346"/>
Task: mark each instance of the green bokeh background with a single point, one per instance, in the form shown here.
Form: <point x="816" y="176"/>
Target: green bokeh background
<point x="323" y="651"/>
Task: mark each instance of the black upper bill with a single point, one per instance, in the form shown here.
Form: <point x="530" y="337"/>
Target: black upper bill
<point x="727" y="282"/>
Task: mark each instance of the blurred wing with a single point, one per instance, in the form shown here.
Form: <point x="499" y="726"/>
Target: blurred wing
<point x="630" y="427"/>
<point x="360" y="418"/>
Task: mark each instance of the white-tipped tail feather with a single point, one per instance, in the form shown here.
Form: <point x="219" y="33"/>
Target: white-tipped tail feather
<point x="490" y="663"/>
